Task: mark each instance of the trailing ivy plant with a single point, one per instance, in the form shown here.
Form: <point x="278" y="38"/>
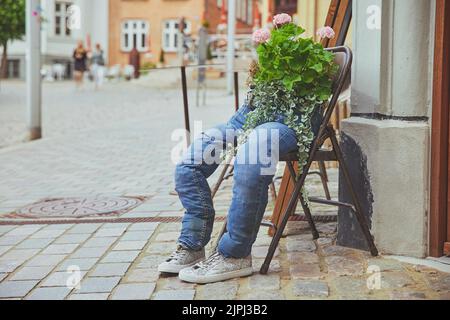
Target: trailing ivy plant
<point x="292" y="78"/>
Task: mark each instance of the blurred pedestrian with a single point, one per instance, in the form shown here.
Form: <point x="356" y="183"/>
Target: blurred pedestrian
<point x="98" y="66"/>
<point x="135" y="61"/>
<point x="80" y="57"/>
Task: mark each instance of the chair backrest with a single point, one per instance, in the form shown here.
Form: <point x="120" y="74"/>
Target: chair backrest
<point x="339" y="18"/>
<point x="343" y="58"/>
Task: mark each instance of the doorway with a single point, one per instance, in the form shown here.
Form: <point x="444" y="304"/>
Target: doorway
<point x="13" y="68"/>
<point x="440" y="136"/>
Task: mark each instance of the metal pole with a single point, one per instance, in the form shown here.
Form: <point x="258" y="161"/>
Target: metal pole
<point x="230" y="42"/>
<point x="186" y="105"/>
<point x="181" y="40"/>
<point x="33" y="61"/>
<point x="236" y="90"/>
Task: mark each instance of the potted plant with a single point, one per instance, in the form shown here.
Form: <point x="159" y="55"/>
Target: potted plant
<point x="292" y="78"/>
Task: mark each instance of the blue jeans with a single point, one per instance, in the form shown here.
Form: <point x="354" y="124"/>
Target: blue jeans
<point x="252" y="178"/>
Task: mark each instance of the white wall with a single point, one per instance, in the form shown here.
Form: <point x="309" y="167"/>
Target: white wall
<point x="392" y="77"/>
<point x="100" y="26"/>
<point x="392" y="68"/>
<point x="94" y="22"/>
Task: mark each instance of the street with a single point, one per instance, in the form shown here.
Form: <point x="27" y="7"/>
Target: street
<point x="117" y="142"/>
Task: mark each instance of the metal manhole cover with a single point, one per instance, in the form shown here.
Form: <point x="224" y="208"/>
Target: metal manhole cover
<point x="79" y="207"/>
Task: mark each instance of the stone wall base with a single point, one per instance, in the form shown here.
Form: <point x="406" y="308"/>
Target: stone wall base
<point x="388" y="162"/>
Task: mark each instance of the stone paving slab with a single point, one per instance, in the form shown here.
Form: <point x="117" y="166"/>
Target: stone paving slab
<point x="138" y="291"/>
<point x="57" y="293"/>
<point x="86" y="252"/>
<point x="72" y="238"/>
<point x="95" y="242"/>
<point x="219" y="291"/>
<point x="142" y="275"/>
<point x="129" y="245"/>
<point x="3" y="249"/>
<point x="110" y="269"/>
<point x="310" y="289"/>
<point x="35" y="243"/>
<point x="174" y="295"/>
<point x="121" y="256"/>
<point x="60" y="279"/>
<point x="45" y="260"/>
<point x="89" y="296"/>
<point x="98" y="285"/>
<point x="32" y="273"/>
<point x="16" y="289"/>
<point x="84" y="264"/>
<point x="138" y="235"/>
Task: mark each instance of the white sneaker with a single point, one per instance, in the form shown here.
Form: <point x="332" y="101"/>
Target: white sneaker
<point x="217" y="268"/>
<point x="182" y="258"/>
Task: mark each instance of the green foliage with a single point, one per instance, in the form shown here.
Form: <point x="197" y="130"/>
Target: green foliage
<point x="300" y="64"/>
<point x="12" y="20"/>
<point x="146" y="67"/>
<point x="293" y="79"/>
<point x="271" y="100"/>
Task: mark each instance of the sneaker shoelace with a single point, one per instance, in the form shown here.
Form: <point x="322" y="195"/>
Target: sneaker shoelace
<point x="210" y="262"/>
<point x="179" y="254"/>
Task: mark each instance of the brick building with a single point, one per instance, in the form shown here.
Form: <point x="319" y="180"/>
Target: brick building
<point x="151" y="25"/>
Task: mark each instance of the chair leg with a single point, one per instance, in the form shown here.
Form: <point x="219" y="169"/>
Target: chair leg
<point x="309" y="217"/>
<point x="358" y="211"/>
<point x="222" y="232"/>
<point x="306" y="209"/>
<point x="324" y="178"/>
<point x="220" y="180"/>
<point x="279" y="233"/>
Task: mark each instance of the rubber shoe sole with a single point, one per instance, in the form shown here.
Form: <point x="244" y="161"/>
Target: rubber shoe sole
<point x="189" y="277"/>
<point x="175" y="269"/>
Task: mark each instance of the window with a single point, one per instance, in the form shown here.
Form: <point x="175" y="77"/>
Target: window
<point x="241" y="7"/>
<point x="62" y="18"/>
<point x="13" y="69"/>
<point x="170" y="34"/>
<point x="135" y="34"/>
<point x="244" y="11"/>
<point x="250" y="12"/>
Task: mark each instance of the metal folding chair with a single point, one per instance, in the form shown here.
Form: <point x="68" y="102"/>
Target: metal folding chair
<point x="344" y="60"/>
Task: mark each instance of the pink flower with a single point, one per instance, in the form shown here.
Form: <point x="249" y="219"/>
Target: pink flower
<point x="281" y="19"/>
<point x="326" y="32"/>
<point x="261" y="36"/>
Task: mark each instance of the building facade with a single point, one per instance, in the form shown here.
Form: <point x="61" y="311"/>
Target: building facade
<point x="151" y="26"/>
<point x="59" y="38"/>
<point x="388" y="138"/>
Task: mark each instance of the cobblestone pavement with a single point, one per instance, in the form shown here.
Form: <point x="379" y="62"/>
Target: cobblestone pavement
<point x="117" y="142"/>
